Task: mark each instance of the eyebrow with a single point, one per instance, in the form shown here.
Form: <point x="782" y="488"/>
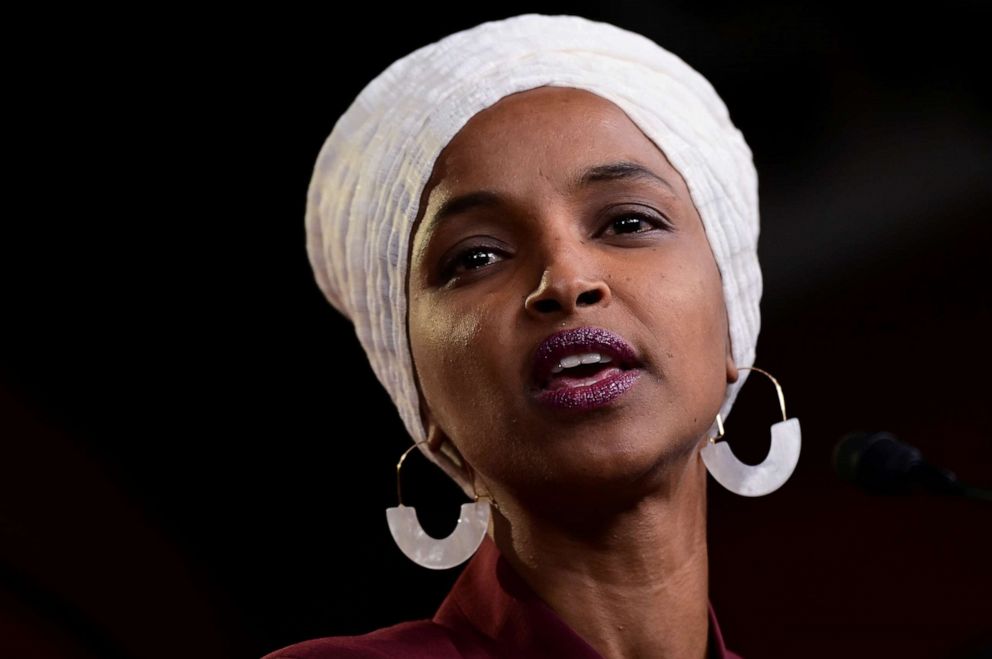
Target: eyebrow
<point x="623" y="170"/>
<point x="466" y="202"/>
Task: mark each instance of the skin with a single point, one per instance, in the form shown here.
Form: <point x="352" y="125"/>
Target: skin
<point x="601" y="512"/>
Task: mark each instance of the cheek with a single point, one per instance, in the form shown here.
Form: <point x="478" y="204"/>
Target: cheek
<point x="688" y="308"/>
<point x="450" y="349"/>
<point x="706" y="348"/>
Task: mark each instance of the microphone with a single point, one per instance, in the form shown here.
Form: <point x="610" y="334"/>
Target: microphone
<point x="881" y="464"/>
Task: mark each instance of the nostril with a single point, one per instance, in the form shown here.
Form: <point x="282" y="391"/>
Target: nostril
<point x="545" y="306"/>
<point x="590" y="297"/>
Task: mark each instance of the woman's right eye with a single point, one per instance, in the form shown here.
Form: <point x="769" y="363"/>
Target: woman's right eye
<point x="476" y="258"/>
<point x="471" y="259"/>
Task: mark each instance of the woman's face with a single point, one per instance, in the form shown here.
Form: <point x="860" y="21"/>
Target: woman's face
<point x="551" y="211"/>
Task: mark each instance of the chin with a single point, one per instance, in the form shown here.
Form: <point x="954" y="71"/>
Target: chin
<point x="614" y="457"/>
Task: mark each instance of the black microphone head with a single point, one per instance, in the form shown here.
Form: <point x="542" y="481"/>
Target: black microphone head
<point x="876" y="461"/>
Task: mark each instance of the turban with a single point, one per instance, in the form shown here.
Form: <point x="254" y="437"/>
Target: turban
<point x="364" y="195"/>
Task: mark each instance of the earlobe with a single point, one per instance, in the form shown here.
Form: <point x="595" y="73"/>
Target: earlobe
<point x="438" y="441"/>
<point x="435" y="436"/>
<point x="732" y="372"/>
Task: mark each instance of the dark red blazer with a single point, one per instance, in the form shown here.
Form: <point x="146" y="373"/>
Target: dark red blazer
<point x="489" y="612"/>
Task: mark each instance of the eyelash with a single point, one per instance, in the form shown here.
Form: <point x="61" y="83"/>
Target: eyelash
<point x="656" y="222"/>
<point x="449" y="268"/>
<point x="462" y="256"/>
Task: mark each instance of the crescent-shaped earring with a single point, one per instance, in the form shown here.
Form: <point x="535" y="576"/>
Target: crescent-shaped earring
<point x="760" y="479"/>
<point x="428" y="551"/>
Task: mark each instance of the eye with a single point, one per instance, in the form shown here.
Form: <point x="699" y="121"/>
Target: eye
<point x="633" y="222"/>
<point x="476" y="258"/>
<point x="471" y="259"/>
<point x="629" y="224"/>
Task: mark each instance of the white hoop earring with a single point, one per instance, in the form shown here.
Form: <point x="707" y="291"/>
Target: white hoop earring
<point x="428" y="551"/>
<point x="760" y="479"/>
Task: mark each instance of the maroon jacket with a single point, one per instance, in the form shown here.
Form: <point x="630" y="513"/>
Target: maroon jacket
<point x="489" y="612"/>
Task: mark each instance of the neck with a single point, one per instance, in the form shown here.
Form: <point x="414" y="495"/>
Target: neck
<point x="633" y="581"/>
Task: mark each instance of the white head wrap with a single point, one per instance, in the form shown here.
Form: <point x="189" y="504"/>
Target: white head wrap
<point x="365" y="192"/>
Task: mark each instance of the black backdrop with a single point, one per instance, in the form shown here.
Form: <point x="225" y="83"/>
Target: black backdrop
<point x="195" y="457"/>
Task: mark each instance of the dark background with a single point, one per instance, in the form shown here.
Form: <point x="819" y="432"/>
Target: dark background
<point x="195" y="458"/>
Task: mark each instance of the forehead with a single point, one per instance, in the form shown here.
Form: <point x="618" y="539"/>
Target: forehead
<point x="532" y="104"/>
<point x="549" y="129"/>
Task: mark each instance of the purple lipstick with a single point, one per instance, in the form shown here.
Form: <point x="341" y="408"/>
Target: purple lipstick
<point x="584" y="368"/>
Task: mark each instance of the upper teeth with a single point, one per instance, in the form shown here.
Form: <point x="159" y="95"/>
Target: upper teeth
<point x="575" y="360"/>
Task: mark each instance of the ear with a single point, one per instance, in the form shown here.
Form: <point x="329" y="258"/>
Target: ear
<point x="439" y="441"/>
<point x="732" y="372"/>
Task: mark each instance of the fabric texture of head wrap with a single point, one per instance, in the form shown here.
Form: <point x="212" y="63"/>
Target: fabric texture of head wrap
<point x="365" y="192"/>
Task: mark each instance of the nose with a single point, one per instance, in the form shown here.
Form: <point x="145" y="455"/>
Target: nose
<point x="568" y="283"/>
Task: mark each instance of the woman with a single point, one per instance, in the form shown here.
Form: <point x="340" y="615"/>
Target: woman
<point x="544" y="229"/>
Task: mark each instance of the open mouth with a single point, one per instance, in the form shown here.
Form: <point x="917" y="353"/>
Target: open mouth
<point x="584" y="368"/>
<point x="582" y="375"/>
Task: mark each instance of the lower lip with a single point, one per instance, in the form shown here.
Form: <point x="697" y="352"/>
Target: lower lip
<point x="590" y="396"/>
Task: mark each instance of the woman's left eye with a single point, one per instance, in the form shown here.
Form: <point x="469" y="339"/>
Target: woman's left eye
<point x="632" y="223"/>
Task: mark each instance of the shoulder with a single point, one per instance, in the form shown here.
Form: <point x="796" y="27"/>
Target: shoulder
<point x="418" y="638"/>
